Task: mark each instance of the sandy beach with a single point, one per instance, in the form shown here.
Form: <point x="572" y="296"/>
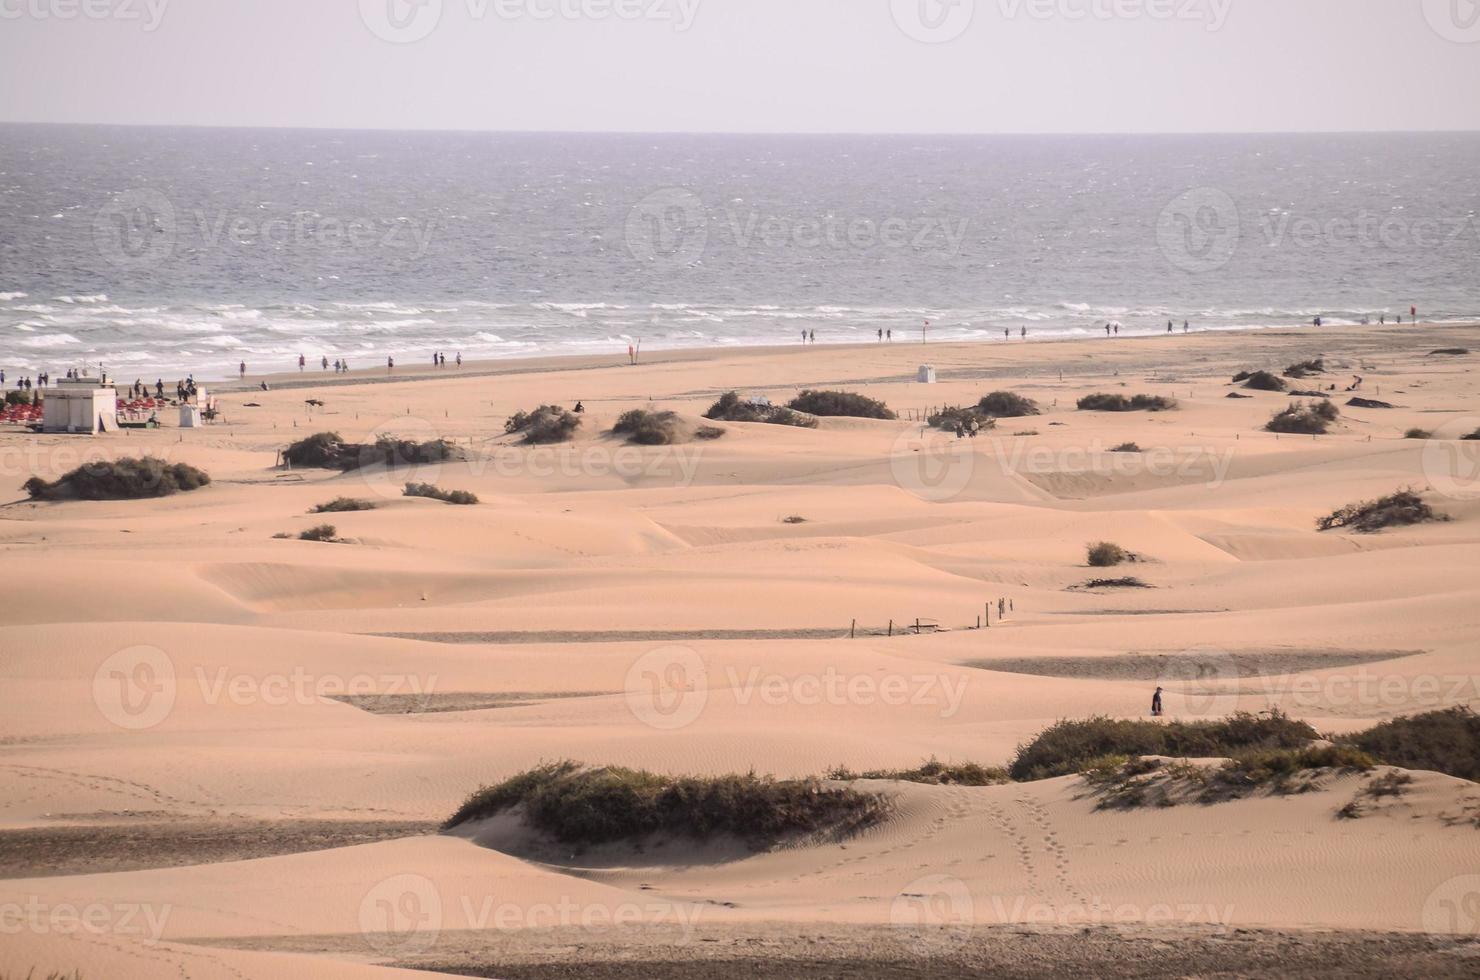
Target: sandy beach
<point x="225" y="753"/>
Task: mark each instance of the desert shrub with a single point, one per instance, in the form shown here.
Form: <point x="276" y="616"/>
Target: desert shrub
<point x="1305" y="369"/>
<point x="581" y="805"/>
<point x="1311" y="419"/>
<point x="732" y="408"/>
<point x="1472" y="437"/>
<point x="327" y="450"/>
<point x="342" y="505"/>
<point x="1007" y="405"/>
<point x="1120" y="403"/>
<point x="1115" y="583"/>
<point x="709" y="433"/>
<point x="120" y="479"/>
<point x="1107" y="555"/>
<point x="1068" y="746"/>
<point x="545" y="425"/>
<point x="794" y="519"/>
<point x="1436" y="741"/>
<point x="1126" y="447"/>
<point x="18" y="397"/>
<point x="431" y="492"/>
<point x="948" y="418"/>
<point x="1449" y="352"/>
<point x="829" y="404"/>
<point x="647" y="428"/>
<point x="1264" y="767"/>
<point x="1418" y="434"/>
<point x="1264" y="381"/>
<point x="324" y="532"/>
<point x="933" y="772"/>
<point x="1395" y="510"/>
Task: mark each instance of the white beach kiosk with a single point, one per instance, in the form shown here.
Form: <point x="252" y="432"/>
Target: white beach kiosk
<point x="80" y="405"/>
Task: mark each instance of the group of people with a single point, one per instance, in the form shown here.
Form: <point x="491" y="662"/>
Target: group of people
<point x="26" y="383"/>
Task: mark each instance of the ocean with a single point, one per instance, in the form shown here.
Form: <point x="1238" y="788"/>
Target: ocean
<point x="159" y="252"/>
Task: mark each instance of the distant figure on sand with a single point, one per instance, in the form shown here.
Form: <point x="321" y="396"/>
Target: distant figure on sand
<point x="390" y="364"/>
<point x="243" y="369"/>
<point x="302" y="362"/>
<point x="1156" y="704"/>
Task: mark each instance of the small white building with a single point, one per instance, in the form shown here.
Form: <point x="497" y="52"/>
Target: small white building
<point x="80" y="405"/>
<point x="926" y="374"/>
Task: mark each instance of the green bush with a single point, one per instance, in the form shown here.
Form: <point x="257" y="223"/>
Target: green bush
<point x="342" y="505"/>
<point x="1436" y="741"/>
<point x="647" y="428"/>
<point x="1007" y="405"/>
<point x="828" y="404"/>
<point x="1120" y="403"/>
<point x="460" y="497"/>
<point x="1312" y="419"/>
<point x="324" y="532"/>
<point x="732" y="408"/>
<point x="1395" y="510"/>
<point x="1068" y="746"/>
<point x="546" y="425"/>
<point x="328" y="450"/>
<point x="1263" y="381"/>
<point x="581" y="805"/>
<point x="933" y="773"/>
<point x="121" y="479"/>
<point x="18" y="397"/>
<point x="1107" y="555"/>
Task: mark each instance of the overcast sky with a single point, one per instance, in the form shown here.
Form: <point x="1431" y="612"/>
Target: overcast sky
<point x="975" y="66"/>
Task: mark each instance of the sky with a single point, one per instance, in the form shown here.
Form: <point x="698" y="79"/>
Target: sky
<point x="893" y="66"/>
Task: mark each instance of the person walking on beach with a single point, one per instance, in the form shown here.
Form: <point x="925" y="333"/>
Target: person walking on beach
<point x="243" y="370"/>
<point x="302" y="362"/>
<point x="390" y="364"/>
<point x="1025" y="333"/>
<point x="324" y="362"/>
<point x="459" y="358"/>
<point x="881" y="335"/>
<point x="889" y="335"/>
<point x="1156" y="709"/>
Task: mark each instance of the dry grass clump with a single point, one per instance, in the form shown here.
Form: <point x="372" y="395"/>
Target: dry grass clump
<point x="1107" y="555"/>
<point x="1115" y="583"/>
<point x="1399" y="509"/>
<point x="1436" y="741"/>
<point x="1472" y="437"/>
<point x="343" y="505"/>
<point x="327" y="450"/>
<point x="1007" y="405"/>
<point x="324" y="532"/>
<point x="1068" y="746"/>
<point x="1418" y="434"/>
<point x="577" y="804"/>
<point x="460" y="497"/>
<point x="1140" y="782"/>
<point x="1312" y="419"/>
<point x="1306" y="368"/>
<point x="649" y="428"/>
<point x="932" y="772"/>
<point x="121" y="479"/>
<point x="1127" y="447"/>
<point x="544" y="426"/>
<point x="732" y="408"/>
<point x="847" y="404"/>
<point x="1120" y="403"/>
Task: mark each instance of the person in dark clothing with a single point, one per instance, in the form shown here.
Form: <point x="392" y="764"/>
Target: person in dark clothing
<point x="1156" y="709"/>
